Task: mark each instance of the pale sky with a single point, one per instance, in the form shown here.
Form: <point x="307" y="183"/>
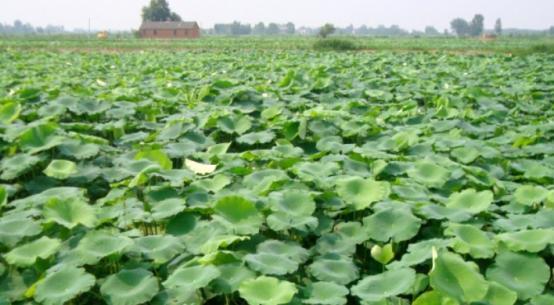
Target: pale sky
<point x="409" y="14"/>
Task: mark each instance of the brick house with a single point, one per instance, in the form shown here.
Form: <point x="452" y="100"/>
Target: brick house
<point x="169" y="30"/>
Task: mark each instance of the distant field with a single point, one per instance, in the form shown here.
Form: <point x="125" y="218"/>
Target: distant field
<point x="507" y="44"/>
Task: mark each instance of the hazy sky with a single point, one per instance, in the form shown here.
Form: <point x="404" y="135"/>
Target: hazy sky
<point x="410" y="14"/>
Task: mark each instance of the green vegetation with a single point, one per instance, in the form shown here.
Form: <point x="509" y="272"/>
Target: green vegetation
<point x="276" y="174"/>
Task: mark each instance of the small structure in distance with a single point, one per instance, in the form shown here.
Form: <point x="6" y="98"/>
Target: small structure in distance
<point x="169" y="30"/>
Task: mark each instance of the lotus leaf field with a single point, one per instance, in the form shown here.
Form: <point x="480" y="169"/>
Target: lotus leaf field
<point x="269" y="177"/>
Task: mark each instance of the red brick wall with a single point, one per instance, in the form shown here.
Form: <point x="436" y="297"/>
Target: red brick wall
<point x="171" y="34"/>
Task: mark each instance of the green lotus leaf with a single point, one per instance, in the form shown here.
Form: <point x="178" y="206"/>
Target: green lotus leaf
<point x="528" y="240"/>
<point x="27" y="254"/>
<point x="382" y="254"/>
<point x="234" y="124"/>
<point x="470" y="201"/>
<point x="465" y="155"/>
<point x="157" y="156"/>
<point x="419" y="252"/>
<point x="530" y="194"/>
<point x="526" y="274"/>
<point x="545" y="299"/>
<point x="394" y="223"/>
<point x="434" y="298"/>
<point x="267" y="291"/>
<point x="403" y="140"/>
<point x="351" y="231"/>
<point x="69" y="212"/>
<point x="220" y="241"/>
<point x="80" y="151"/>
<point x="215" y="184"/>
<point x="276" y="257"/>
<point x="40" y="138"/>
<point x="60" y="169"/>
<point x="326" y="293"/>
<point x="361" y="193"/>
<point x="194" y="277"/>
<point x="158" y="248"/>
<point x="3" y="196"/>
<point x="281" y="221"/>
<point x="130" y="287"/>
<point x="262" y="181"/>
<point x="14" y="229"/>
<point x="15" y="166"/>
<point x="63" y="285"/>
<point x="167" y="208"/>
<point x="470" y="240"/>
<point x="181" y="224"/>
<point x="429" y="174"/>
<point x="293" y="202"/>
<point x="256" y="138"/>
<point x="458" y="279"/>
<point x="232" y="275"/>
<point x="310" y="171"/>
<point x="500" y="295"/>
<point x="332" y="144"/>
<point x="238" y="214"/>
<point x="439" y="212"/>
<point x="9" y="112"/>
<point x="335" y="243"/>
<point x="218" y="149"/>
<point x="384" y="285"/>
<point x="88" y="106"/>
<point x="96" y="245"/>
<point x="334" y="268"/>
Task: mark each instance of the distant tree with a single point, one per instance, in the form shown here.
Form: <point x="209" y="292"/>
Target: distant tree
<point x="460" y="27"/>
<point x="362" y="31"/>
<point x="290" y="28"/>
<point x="498" y="27"/>
<point x="259" y="29"/>
<point x="158" y="10"/>
<point x="272" y="29"/>
<point x="477" y="25"/>
<point x="551" y="30"/>
<point x="431" y="31"/>
<point x="326" y="30"/>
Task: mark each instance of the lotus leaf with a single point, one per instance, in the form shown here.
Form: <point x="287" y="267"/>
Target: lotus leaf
<point x="470" y="201"/>
<point x="526" y="274"/>
<point x="69" y="212"/>
<point x="267" y="291"/>
<point x="429" y="174"/>
<point x="326" y="293"/>
<point x="129" y="287"/>
<point x="530" y="194"/>
<point x="60" y="169"/>
<point x="194" y="277"/>
<point x="361" y="193"/>
<point x="334" y="268"/>
<point x="384" y="285"/>
<point x="394" y="223"/>
<point x="239" y="214"/>
<point x="63" y="285"/>
<point x="27" y="254"/>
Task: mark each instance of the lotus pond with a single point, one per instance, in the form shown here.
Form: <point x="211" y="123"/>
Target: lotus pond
<point x="276" y="177"/>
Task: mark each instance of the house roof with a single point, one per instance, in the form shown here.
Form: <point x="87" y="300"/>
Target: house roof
<point x="168" y="25"/>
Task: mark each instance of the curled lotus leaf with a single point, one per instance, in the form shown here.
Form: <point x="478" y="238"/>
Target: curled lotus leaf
<point x="39" y="138"/>
<point x="14" y="229"/>
<point x="9" y="112"/>
<point x="326" y="293"/>
<point x="384" y="285"/>
<point x="159" y="248"/>
<point x="266" y="290"/>
<point x="63" y="285"/>
<point x="193" y="277"/>
<point x="234" y="124"/>
<point x="80" y="151"/>
<point x="60" y="169"/>
<point x="130" y="287"/>
<point x="531" y="241"/>
<point x="252" y="138"/>
<point x="27" y="254"/>
<point x="15" y="166"/>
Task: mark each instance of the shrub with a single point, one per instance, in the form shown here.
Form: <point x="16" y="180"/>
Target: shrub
<point x="335" y="44"/>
